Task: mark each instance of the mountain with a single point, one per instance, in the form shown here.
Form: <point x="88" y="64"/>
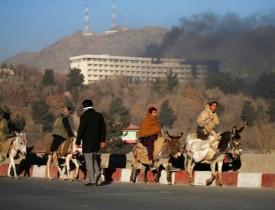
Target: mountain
<point x="131" y="42"/>
<point x="243" y="53"/>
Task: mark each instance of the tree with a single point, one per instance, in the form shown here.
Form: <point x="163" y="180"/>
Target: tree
<point x="265" y="85"/>
<point x="172" y="80"/>
<point x="41" y="114"/>
<point x="18" y="123"/>
<point x="48" y="77"/>
<point x="248" y="113"/>
<point x="271" y="111"/>
<point x="157" y="85"/>
<point x="75" y="79"/>
<point x="118" y="118"/>
<point x="225" y="82"/>
<point x="167" y="115"/>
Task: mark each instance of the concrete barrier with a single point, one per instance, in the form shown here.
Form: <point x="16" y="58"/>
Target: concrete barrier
<point x="231" y="179"/>
<point x="117" y="168"/>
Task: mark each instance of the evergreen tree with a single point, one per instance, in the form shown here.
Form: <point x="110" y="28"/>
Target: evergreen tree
<point x="157" y="85"/>
<point x="48" y="77"/>
<point x="18" y="123"/>
<point x="248" y="113"/>
<point x="166" y="115"/>
<point x="118" y="118"/>
<point x="75" y="79"/>
<point x="271" y="111"/>
<point x="172" y="81"/>
<point x="265" y="85"/>
<point x="225" y="82"/>
<point x="42" y="115"/>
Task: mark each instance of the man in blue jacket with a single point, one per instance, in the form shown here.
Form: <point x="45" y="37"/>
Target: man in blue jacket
<point x="92" y="133"/>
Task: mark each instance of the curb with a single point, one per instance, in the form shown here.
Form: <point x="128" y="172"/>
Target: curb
<point x="232" y="179"/>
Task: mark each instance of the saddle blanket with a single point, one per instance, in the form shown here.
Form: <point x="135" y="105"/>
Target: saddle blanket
<point x="141" y="154"/>
<point x="63" y="149"/>
<point x="196" y="148"/>
<point x="5" y="146"/>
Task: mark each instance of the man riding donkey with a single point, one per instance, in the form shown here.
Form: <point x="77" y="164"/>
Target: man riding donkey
<point x="198" y="146"/>
<point x="6" y="133"/>
<point x="61" y="132"/>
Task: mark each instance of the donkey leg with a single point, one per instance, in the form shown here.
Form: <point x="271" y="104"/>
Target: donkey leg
<point x="168" y="173"/>
<point x="68" y="168"/>
<point x="75" y="174"/>
<point x="190" y="164"/>
<point x="157" y="174"/>
<point x="61" y="175"/>
<point x="133" y="171"/>
<point x="213" y="174"/>
<point x="144" y="171"/>
<point x="48" y="166"/>
<point x="220" y="164"/>
<point x="13" y="166"/>
<point x="74" y="160"/>
<point x="9" y="171"/>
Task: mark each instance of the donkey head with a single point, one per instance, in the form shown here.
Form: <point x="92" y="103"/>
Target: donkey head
<point x="237" y="147"/>
<point x="174" y="145"/>
<point x="21" y="142"/>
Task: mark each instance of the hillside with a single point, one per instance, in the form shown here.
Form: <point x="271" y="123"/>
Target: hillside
<point x="125" y="43"/>
<point x="244" y="53"/>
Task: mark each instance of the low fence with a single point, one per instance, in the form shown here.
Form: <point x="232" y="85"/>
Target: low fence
<point x="256" y="170"/>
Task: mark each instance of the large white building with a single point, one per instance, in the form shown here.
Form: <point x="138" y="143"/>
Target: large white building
<point x="97" y="67"/>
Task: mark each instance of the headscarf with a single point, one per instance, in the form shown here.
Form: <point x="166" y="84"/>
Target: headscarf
<point x="149" y="126"/>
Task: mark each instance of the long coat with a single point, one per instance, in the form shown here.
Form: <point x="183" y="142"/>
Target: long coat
<point x="92" y="131"/>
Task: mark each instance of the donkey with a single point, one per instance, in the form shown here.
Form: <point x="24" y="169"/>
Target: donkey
<point x="11" y="147"/>
<point x="171" y="149"/>
<point x="164" y="150"/>
<point x="229" y="143"/>
<point x="70" y="155"/>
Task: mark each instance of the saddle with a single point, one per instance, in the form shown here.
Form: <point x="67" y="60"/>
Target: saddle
<point x="140" y="152"/>
<point x="5" y="146"/>
<point x="63" y="149"/>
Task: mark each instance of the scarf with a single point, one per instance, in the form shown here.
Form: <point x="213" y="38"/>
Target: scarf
<point x="149" y="126"/>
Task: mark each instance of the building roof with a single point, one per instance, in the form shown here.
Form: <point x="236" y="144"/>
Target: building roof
<point x="131" y="127"/>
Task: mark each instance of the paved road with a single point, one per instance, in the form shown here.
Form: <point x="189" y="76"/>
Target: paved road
<point x="39" y="193"/>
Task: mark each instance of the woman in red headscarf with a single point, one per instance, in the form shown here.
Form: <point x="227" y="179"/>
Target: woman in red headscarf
<point x="149" y="132"/>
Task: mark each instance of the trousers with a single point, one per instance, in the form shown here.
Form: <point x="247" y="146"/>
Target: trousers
<point x="91" y="166"/>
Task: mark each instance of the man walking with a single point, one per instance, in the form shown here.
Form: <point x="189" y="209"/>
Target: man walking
<point x="92" y="132"/>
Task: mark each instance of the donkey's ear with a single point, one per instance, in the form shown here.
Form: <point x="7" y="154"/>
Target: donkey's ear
<point x="17" y="134"/>
<point x="234" y="130"/>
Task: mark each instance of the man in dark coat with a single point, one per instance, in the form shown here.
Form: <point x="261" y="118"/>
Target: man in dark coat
<point x="92" y="132"/>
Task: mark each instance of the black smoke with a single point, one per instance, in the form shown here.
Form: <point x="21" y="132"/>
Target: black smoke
<point x="200" y="33"/>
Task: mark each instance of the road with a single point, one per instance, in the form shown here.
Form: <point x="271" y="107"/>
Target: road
<point x="39" y="193"/>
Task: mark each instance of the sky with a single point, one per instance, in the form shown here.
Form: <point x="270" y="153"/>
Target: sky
<point x="31" y="25"/>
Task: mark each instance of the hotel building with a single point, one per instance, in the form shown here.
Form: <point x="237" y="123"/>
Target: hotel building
<point x="97" y="67"/>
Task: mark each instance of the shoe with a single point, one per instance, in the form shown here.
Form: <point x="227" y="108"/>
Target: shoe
<point x="89" y="184"/>
<point x="98" y="179"/>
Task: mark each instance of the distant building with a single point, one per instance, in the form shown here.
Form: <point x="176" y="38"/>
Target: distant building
<point x="6" y="73"/>
<point x="130" y="134"/>
<point x="115" y="29"/>
<point x="97" y="67"/>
